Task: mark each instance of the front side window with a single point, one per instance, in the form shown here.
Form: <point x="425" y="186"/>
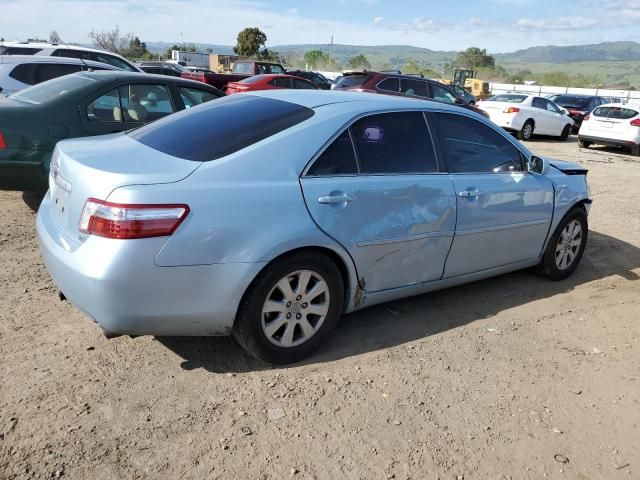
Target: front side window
<point x="442" y="94"/>
<point x="414" y="87"/>
<point x="194" y="96"/>
<point x="82" y="54"/>
<point x="470" y="146"/>
<point x="552" y="107"/>
<point x="281" y="82"/>
<point x="302" y="85"/>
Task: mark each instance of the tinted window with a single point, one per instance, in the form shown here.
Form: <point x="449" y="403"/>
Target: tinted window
<point x="338" y="159"/>
<point x="280" y="82"/>
<point x="72" y="54"/>
<point x="52" y="89"/>
<point x="470" y="146"/>
<point x="394" y="143"/>
<point x="48" y="71"/>
<point x="508" y="98"/>
<point x="23" y="73"/>
<point x="254" y="79"/>
<point x="219" y="128"/>
<point x="112" y="60"/>
<point x="170" y="72"/>
<point x="18" y="50"/>
<point x="390" y="85"/>
<point x="615" y="112"/>
<point x="194" y="96"/>
<point x="352" y="80"/>
<point x="572" y="101"/>
<point x="105" y="108"/>
<point x="145" y="102"/>
<point x="539" y="103"/>
<point x="414" y="87"/>
<point x="442" y="94"/>
<point x="301" y="84"/>
<point x="153" y="70"/>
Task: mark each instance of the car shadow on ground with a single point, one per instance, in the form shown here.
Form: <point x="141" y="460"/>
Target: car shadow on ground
<point x="33" y="200"/>
<point x="422" y="316"/>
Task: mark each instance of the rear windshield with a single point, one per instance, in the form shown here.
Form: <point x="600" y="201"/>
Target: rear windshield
<point x="615" y="112"/>
<point x="52" y="89"/>
<point x="221" y="127"/>
<point x="243" y="67"/>
<point x="352" y="80"/>
<point x="254" y="79"/>
<point x="508" y="98"/>
<point x="571" y="101"/>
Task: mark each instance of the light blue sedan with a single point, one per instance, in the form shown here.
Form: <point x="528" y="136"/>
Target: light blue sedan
<point x="269" y="215"/>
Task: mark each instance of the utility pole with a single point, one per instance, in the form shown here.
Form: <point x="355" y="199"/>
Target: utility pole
<point x="330" y="46"/>
<point x="181" y="43"/>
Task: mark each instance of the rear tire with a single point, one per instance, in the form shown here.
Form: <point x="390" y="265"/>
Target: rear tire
<point x="565" y="133"/>
<point x="635" y="151"/>
<point x="527" y="131"/>
<point x="566" y="246"/>
<point x="583" y="143"/>
<point x="282" y="318"/>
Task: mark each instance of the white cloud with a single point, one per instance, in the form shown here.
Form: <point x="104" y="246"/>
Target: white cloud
<point x="378" y="20"/>
<point x="561" y="23"/>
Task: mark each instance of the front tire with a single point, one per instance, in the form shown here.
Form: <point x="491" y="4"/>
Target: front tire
<point x="566" y="246"/>
<point x="291" y="308"/>
<point x="565" y="133"/>
<point x="583" y="143"/>
<point x="527" y="131"/>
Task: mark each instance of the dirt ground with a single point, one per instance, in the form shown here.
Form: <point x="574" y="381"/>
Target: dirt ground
<point x="511" y="378"/>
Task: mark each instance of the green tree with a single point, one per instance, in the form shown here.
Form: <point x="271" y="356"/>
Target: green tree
<point x="474" y="57"/>
<point x="359" y="61"/>
<point x="136" y="49"/>
<point x="249" y="42"/>
<point x="315" y="58"/>
<point x="186" y="47"/>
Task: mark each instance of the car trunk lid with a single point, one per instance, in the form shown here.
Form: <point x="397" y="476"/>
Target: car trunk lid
<point x="93" y="168"/>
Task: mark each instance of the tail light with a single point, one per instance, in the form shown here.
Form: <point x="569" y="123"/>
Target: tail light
<point x="130" y="221"/>
<point x="635" y="122"/>
<point x="511" y="110"/>
<point x="3" y="142"/>
<point x="586" y="118"/>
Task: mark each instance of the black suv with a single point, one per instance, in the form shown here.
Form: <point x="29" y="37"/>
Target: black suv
<point x="162" y="68"/>
<point x="392" y="83"/>
<point x="578" y="106"/>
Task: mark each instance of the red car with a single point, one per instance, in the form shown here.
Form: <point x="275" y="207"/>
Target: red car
<point x="268" y="82"/>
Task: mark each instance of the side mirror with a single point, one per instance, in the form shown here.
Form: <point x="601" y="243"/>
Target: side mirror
<point x="537" y="165"/>
<point x="459" y="101"/>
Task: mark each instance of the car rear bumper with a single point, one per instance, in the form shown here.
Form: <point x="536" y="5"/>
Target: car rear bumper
<point x="24" y="169"/>
<point x="117" y="284"/>
<point x="509" y="122"/>
<point x="611" y="142"/>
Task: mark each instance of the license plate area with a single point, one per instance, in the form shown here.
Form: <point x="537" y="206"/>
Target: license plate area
<point x="60" y="192"/>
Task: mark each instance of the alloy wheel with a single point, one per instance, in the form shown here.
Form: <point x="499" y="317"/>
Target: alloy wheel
<point x="295" y="308"/>
<point x="568" y="245"/>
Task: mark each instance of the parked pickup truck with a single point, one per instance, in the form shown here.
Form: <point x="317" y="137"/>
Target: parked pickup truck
<point x="241" y="69"/>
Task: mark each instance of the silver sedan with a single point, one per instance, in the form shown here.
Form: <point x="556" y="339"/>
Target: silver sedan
<point x="268" y="215"/>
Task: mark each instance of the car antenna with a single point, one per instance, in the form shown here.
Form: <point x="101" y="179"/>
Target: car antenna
<point x="89" y="69"/>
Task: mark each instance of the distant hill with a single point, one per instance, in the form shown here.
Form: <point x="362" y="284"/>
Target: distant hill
<point x="161" y="47"/>
<point x="615" y="51"/>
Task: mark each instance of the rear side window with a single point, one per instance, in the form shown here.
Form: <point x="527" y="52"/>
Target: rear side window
<point x="615" y="112"/>
<point x="280" y="82"/>
<point x="470" y="146"/>
<point x="18" y="50"/>
<point x="23" y="73"/>
<point x="389" y="85"/>
<point x="302" y="85"/>
<point x="338" y="159"/>
<point x="112" y="60"/>
<point x="353" y="81"/>
<point x="442" y="94"/>
<point x="49" y="71"/>
<point x="414" y="87"/>
<point x="220" y="128"/>
<point x="394" y="143"/>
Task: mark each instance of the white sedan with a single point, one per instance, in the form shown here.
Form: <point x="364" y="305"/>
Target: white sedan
<point x="613" y="124"/>
<point x="527" y="114"/>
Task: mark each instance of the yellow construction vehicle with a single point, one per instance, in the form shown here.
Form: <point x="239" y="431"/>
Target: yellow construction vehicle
<point x="467" y="78"/>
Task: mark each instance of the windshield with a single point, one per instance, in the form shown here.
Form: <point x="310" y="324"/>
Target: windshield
<point x="571" y="101"/>
<point x="508" y="98"/>
<point x="219" y="128"/>
<point x="52" y="89"/>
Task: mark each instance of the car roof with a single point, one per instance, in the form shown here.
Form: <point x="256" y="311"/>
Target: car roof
<point x="44" y="46"/>
<point x="20" y="59"/>
<point x="577" y="95"/>
<point x="355" y="100"/>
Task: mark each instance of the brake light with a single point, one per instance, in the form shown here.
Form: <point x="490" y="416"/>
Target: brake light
<point x="511" y="110"/>
<point x="586" y="118"/>
<point x="635" y="122"/>
<point x="130" y="221"/>
<point x="3" y="142"/>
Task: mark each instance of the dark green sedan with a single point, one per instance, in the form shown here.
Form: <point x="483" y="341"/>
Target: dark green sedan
<point x="33" y="120"/>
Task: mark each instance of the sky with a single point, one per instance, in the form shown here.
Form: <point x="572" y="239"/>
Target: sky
<point x="497" y="25"/>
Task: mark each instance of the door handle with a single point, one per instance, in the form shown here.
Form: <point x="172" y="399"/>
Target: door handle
<point x="332" y="199"/>
<point x="470" y="193"/>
